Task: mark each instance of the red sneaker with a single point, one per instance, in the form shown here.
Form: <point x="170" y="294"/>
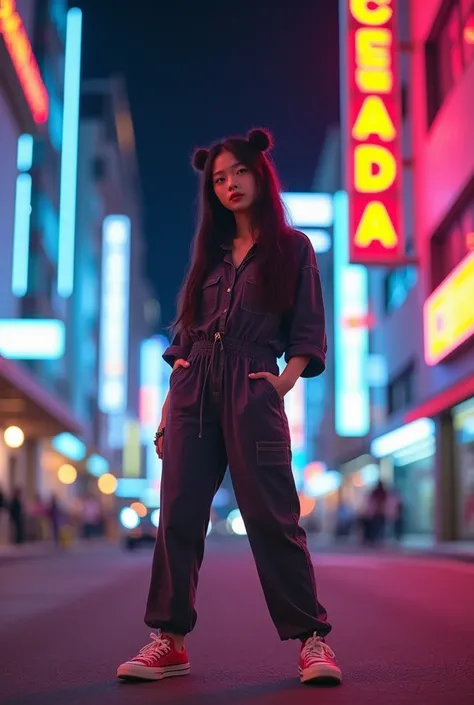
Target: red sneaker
<point x="317" y="662"/>
<point x="158" y="659"/>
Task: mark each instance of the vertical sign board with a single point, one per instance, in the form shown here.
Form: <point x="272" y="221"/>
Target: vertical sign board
<point x="115" y="301"/>
<point x="373" y="137"/>
<point x="351" y="343"/>
<point x="154" y="385"/>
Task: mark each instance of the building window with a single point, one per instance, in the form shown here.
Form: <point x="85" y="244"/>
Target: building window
<point x="455" y="242"/>
<point x="401" y="390"/>
<point x="396" y="286"/>
<point x="449" y="51"/>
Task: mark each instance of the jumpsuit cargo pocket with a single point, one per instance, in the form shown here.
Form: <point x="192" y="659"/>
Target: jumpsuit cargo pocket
<point x="210" y="295"/>
<point x="250" y="301"/>
<point x="175" y="372"/>
<point x="273" y="391"/>
<point x="273" y="453"/>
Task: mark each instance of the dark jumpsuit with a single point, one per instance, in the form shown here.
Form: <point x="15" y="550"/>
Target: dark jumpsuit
<point x="217" y="416"/>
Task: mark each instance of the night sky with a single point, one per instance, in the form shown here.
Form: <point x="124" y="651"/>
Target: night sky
<point x="199" y="70"/>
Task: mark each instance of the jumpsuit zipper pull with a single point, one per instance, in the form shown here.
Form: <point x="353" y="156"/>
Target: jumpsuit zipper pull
<point x="218" y="338"/>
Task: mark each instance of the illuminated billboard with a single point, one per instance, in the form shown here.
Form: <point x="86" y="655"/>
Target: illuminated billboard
<point x="351" y="340"/>
<point x="154" y="385"/>
<point x="373" y="139"/>
<point x="115" y="300"/>
<point x="448" y="314"/>
<point x="32" y="339"/>
<point x="311" y="213"/>
<point x="19" y="48"/>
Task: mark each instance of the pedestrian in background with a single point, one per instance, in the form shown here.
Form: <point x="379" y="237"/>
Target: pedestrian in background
<point x="17" y="517"/>
<point x="253" y="293"/>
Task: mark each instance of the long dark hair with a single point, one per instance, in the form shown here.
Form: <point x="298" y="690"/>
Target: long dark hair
<point x="277" y="267"/>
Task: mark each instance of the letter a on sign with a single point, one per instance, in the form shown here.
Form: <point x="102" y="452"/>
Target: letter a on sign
<point x="376" y="226"/>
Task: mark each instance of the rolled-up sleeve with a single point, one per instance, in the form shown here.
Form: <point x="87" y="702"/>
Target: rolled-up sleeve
<point x="180" y="347"/>
<point x="307" y="329"/>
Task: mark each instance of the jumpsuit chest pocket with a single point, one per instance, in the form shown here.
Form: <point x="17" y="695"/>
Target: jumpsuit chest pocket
<point x="210" y="295"/>
<point x="251" y="301"/>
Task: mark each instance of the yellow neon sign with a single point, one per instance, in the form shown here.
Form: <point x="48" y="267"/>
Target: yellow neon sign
<point x="373" y="119"/>
<point x="374" y="125"/>
<point x="449" y="313"/>
<point x="364" y="12"/>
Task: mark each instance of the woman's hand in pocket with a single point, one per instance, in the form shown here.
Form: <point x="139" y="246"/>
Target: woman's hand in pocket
<point x="281" y="385"/>
<point x="180" y="363"/>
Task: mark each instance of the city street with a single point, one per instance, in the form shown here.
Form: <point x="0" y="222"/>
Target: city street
<point x="403" y="631"/>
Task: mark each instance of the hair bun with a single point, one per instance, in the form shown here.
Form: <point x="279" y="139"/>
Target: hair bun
<point x="200" y="159"/>
<point x="260" y="140"/>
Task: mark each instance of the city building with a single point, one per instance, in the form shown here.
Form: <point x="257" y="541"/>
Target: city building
<point x="74" y="305"/>
<point x="110" y="217"/>
<point x="34" y="401"/>
<point x="407" y="92"/>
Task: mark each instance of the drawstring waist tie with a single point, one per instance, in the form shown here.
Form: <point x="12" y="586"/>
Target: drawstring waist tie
<point x="229" y="347"/>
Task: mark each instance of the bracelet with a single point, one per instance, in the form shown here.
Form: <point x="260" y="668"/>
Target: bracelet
<point x="159" y="434"/>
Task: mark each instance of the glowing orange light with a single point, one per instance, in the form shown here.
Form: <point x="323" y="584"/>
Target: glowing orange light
<point x="307" y="504"/>
<point x="367" y="321"/>
<point x="140" y="509"/>
<point x="469" y="32"/>
<point x="26" y="66"/>
<point x="470" y="241"/>
<point x="374" y="123"/>
<point x="449" y="314"/>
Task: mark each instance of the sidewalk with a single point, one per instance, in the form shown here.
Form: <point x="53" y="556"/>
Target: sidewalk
<point x="409" y="546"/>
<point x="40" y="549"/>
<point x="459" y="550"/>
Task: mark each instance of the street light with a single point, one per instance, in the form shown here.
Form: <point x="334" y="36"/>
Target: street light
<point x="67" y="474"/>
<point x="13" y="437"/>
<point x="107" y="483"/>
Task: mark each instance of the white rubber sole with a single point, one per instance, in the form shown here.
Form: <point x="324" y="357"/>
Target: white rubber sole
<point x="323" y="673"/>
<point x="133" y="671"/>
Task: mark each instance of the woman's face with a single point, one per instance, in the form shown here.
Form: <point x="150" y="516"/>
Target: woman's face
<point x="234" y="183"/>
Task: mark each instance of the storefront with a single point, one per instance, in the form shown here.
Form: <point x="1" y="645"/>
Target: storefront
<point x="407" y="456"/>
<point x="359" y="477"/>
<point x="26" y="406"/>
<point x="463" y="425"/>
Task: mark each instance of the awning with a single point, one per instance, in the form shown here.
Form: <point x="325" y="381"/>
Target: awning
<point x="25" y="403"/>
<point x="444" y="400"/>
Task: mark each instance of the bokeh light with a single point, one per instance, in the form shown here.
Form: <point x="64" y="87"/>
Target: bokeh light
<point x="13" y="437"/>
<point x="107" y="483"/>
<point x="67" y="474"/>
<point x="129" y="518"/>
<point x="140" y="509"/>
<point x="235" y="523"/>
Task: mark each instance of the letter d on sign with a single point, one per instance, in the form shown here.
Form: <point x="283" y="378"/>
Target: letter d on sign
<point x="375" y="168"/>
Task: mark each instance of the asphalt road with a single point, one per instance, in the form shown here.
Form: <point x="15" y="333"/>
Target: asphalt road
<point x="403" y="632"/>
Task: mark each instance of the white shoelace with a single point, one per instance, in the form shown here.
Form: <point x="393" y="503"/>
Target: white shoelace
<point x="316" y="650"/>
<point x="158" y="646"/>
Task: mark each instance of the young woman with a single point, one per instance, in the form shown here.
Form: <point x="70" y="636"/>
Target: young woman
<point x="253" y="293"/>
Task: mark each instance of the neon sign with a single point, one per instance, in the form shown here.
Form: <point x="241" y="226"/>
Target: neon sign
<point x="18" y="46"/>
<point x="310" y="212"/>
<point x="69" y="153"/>
<point x="113" y="375"/>
<point x="32" y="338"/>
<point x="374" y="159"/>
<point x="351" y="343"/>
<point x="448" y="314"/>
